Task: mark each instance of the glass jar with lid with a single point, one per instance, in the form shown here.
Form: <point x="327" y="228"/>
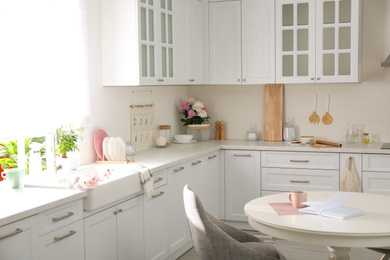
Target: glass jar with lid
<point x="366" y="138"/>
<point x="165" y="132"/>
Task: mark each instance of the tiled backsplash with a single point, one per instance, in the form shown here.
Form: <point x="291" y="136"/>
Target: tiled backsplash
<point x="366" y="104"/>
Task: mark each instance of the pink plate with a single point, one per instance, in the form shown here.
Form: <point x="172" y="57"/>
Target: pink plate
<point x="98" y="137"/>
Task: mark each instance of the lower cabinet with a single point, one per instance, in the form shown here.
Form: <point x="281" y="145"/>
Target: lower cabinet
<point x="242" y="182"/>
<point x="19" y="240"/>
<point x="116" y="232"/>
<point x="156" y="224"/>
<point x="376" y="173"/>
<point x="64" y="243"/>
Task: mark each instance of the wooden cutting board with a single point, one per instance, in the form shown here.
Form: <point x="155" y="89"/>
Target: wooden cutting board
<point x="273" y="112"/>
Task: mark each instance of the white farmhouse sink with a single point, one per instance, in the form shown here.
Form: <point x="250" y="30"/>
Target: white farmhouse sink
<point x="122" y="183"/>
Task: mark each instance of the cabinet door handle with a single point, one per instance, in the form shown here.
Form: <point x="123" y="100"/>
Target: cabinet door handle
<point x="158" y="195"/>
<point x="242" y="155"/>
<point x="238" y="80"/>
<point x="115" y="212"/>
<point x="160" y="80"/>
<point x="318" y="78"/>
<point x="56" y="239"/>
<point x="195" y="163"/>
<point x="158" y="180"/>
<point x="192" y="80"/>
<point x="299" y="161"/>
<point x="17" y="231"/>
<point x="312" y="78"/>
<point x="61" y="218"/>
<point x="295" y="181"/>
<point x="243" y="80"/>
<point x="120" y="210"/>
<point x="178" y="170"/>
<point x="212" y="157"/>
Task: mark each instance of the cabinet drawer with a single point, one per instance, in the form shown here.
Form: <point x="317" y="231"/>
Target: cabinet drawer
<point x="160" y="179"/>
<point x="326" y="161"/>
<point x="64" y="243"/>
<point x="273" y="179"/>
<point x="376" y="162"/>
<point x="58" y="217"/>
<point x="376" y="182"/>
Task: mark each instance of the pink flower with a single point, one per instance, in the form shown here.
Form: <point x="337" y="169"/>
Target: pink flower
<point x="184" y="106"/>
<point x="191" y="114"/>
<point x="205" y="109"/>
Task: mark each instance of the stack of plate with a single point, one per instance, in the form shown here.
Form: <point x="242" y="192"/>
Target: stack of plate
<point x="109" y="148"/>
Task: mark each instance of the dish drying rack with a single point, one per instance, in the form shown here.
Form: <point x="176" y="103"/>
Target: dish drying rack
<point x="125" y="161"/>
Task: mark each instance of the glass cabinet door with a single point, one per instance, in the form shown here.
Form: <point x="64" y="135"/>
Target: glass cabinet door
<point x="147" y="38"/>
<point x="166" y="11"/>
<point x="337" y="40"/>
<point x="295" y="41"/>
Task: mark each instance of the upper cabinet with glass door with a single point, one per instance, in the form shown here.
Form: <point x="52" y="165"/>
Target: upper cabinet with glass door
<point x="137" y="51"/>
<point x="337" y="51"/>
<point x="317" y="41"/>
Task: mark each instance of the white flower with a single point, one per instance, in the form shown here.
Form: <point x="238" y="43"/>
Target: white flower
<point x="190" y="100"/>
<point x="202" y="113"/>
<point x="198" y="105"/>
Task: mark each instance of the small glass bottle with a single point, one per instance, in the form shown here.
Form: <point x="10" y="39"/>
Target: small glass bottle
<point x="165" y="131"/>
<point x="366" y="138"/>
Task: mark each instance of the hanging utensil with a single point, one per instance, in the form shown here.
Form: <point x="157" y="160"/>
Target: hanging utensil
<point x="314" y="118"/>
<point x="327" y="119"/>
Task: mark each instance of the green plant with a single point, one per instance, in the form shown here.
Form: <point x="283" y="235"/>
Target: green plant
<point x="9" y="154"/>
<point x="68" y="140"/>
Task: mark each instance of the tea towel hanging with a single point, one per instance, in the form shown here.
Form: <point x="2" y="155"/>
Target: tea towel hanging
<point x="350" y="180"/>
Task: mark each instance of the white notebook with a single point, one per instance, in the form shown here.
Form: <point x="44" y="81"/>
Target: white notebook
<point x="332" y="208"/>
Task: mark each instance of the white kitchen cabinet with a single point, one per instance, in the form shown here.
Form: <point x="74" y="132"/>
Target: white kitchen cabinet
<point x="19" y="240"/>
<point x="59" y="229"/>
<point x="376" y="173"/>
<point x="242" y="182"/>
<point x="116" y="232"/>
<point x="289" y="171"/>
<point x="242" y="42"/>
<point x="137" y="42"/>
<point x="203" y="177"/>
<point x="156" y="224"/>
<point x="189" y="41"/>
<point x="317" y="41"/>
<point x="64" y="243"/>
<point x="178" y="234"/>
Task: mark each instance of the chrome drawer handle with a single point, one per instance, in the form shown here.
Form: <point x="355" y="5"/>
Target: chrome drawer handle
<point x="158" y="180"/>
<point x="299" y="161"/>
<point x="56" y="239"/>
<point x="61" y="218"/>
<point x="195" y="163"/>
<point x="158" y="195"/>
<point x="242" y="155"/>
<point x="17" y="231"/>
<point x="178" y="170"/>
<point x="212" y="157"/>
<point x="295" y="181"/>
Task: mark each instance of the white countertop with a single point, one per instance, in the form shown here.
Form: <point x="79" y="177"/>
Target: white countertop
<point x="20" y="203"/>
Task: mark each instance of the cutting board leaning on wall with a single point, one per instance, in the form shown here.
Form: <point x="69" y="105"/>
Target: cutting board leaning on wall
<point x="273" y="112"/>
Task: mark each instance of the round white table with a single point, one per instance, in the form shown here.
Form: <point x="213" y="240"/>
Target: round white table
<point x="369" y="230"/>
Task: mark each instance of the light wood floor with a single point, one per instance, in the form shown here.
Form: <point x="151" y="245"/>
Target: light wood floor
<point x="298" y="251"/>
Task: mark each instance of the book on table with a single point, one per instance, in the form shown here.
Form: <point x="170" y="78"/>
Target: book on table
<point x="332" y="207"/>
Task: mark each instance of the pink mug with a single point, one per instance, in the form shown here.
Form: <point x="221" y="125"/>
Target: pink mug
<point x="297" y="197"/>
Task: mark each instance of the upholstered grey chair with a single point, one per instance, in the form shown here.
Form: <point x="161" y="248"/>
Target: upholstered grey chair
<point x="384" y="251"/>
<point x="216" y="240"/>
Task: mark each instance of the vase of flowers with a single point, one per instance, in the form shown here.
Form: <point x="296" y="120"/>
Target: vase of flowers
<point x="196" y="119"/>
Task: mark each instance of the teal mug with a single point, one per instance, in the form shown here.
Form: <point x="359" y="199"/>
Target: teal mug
<point x="14" y="177"/>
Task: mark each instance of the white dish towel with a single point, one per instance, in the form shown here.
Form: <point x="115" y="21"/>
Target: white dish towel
<point x="146" y="179"/>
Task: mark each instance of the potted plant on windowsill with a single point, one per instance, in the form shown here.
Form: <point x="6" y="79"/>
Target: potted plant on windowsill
<point x="9" y="163"/>
<point x="196" y="119"/>
<point x="68" y="138"/>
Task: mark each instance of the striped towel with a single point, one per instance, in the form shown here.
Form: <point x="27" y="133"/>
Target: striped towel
<point x="146" y="179"/>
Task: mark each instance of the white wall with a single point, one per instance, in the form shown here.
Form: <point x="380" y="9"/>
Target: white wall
<point x="366" y="103"/>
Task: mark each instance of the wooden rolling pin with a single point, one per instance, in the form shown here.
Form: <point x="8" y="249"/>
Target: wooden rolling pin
<point x="328" y="143"/>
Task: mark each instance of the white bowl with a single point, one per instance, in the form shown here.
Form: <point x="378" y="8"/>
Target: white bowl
<point x="183" y="138"/>
<point x="305" y="139"/>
